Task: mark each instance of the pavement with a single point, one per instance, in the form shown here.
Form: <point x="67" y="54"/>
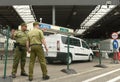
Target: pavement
<point x="85" y="72"/>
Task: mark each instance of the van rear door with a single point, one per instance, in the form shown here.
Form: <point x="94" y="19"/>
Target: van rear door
<point x="52" y="46"/>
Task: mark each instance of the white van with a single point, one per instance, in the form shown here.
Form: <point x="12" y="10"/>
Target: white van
<point x="57" y="49"/>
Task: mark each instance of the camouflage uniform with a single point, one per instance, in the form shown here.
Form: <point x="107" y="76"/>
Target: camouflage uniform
<point x="35" y="36"/>
<point x="20" y="51"/>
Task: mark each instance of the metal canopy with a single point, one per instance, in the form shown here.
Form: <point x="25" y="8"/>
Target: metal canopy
<point x="104" y="27"/>
<point x="8" y="16"/>
<point x="25" y="12"/>
<point x="99" y="12"/>
<point x="66" y="16"/>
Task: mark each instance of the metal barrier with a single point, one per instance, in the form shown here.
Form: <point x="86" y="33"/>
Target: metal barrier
<point x="68" y="70"/>
<point x="102" y="56"/>
<point x="5" y="78"/>
<point x="3" y="35"/>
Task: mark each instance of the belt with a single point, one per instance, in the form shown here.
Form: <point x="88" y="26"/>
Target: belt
<point x="18" y="44"/>
<point x="21" y="45"/>
<point x="35" y="44"/>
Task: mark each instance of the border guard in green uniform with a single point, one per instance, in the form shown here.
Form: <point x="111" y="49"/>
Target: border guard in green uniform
<point x="20" y="51"/>
<point x="35" y="41"/>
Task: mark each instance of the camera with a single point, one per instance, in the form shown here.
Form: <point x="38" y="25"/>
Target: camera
<point x="108" y="3"/>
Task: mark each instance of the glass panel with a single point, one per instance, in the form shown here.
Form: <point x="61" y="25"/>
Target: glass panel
<point x="73" y="41"/>
<point x="84" y="44"/>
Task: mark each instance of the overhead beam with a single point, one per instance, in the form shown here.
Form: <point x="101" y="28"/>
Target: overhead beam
<point x="70" y="16"/>
<point x="57" y="2"/>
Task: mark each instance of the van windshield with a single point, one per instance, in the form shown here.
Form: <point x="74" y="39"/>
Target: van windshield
<point x="84" y="44"/>
<point x="73" y="41"/>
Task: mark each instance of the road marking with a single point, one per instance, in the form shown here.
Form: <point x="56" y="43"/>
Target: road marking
<point x="114" y="79"/>
<point x="73" y="75"/>
<point x="102" y="75"/>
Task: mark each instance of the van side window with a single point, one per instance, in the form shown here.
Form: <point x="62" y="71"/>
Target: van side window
<point x="73" y="41"/>
<point x="84" y="44"/>
<point x="64" y="40"/>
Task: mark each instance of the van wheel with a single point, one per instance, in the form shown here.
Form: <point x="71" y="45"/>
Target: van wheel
<point x="90" y="58"/>
<point x="70" y="60"/>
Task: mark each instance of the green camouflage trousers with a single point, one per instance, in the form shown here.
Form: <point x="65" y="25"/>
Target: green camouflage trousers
<point x="37" y="51"/>
<point x="19" y="55"/>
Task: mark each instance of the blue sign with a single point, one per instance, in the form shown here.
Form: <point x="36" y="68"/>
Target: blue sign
<point x="45" y="26"/>
<point x="115" y="44"/>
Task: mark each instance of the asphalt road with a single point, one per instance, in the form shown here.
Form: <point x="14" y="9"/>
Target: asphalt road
<point x="86" y="72"/>
<point x="110" y="74"/>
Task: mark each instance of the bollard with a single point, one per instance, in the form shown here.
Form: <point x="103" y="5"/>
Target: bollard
<point x="68" y="47"/>
<point x="100" y="59"/>
<point x="115" y="57"/>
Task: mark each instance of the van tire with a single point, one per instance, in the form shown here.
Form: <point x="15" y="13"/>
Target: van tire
<point x="90" y="58"/>
<point x="70" y="60"/>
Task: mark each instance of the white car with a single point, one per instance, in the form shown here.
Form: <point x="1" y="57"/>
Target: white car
<point x="58" y="49"/>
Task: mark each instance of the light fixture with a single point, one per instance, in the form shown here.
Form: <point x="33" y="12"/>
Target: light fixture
<point x="40" y="20"/>
<point x="25" y="13"/>
<point x="68" y="25"/>
<point x="74" y="13"/>
<point x="98" y="25"/>
<point x="116" y="13"/>
<point x="108" y="3"/>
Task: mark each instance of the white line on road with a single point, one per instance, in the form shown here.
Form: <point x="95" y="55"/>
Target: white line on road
<point x="114" y="79"/>
<point x="102" y="75"/>
<point x="69" y="76"/>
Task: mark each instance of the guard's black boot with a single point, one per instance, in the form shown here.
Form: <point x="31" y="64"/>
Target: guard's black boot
<point x="24" y="74"/>
<point x="46" y="77"/>
<point x="30" y="79"/>
<point x="13" y="76"/>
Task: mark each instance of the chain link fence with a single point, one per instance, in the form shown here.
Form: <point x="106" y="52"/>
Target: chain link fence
<point x="3" y="43"/>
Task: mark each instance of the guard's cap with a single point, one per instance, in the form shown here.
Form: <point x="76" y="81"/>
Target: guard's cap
<point x="35" y="23"/>
<point x="23" y="24"/>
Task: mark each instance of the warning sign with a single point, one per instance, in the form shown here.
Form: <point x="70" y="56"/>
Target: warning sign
<point x="114" y="35"/>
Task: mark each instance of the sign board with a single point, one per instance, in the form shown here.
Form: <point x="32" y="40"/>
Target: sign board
<point x="47" y="26"/>
<point x="64" y="29"/>
<point x="115" y="44"/>
<point x="114" y="35"/>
